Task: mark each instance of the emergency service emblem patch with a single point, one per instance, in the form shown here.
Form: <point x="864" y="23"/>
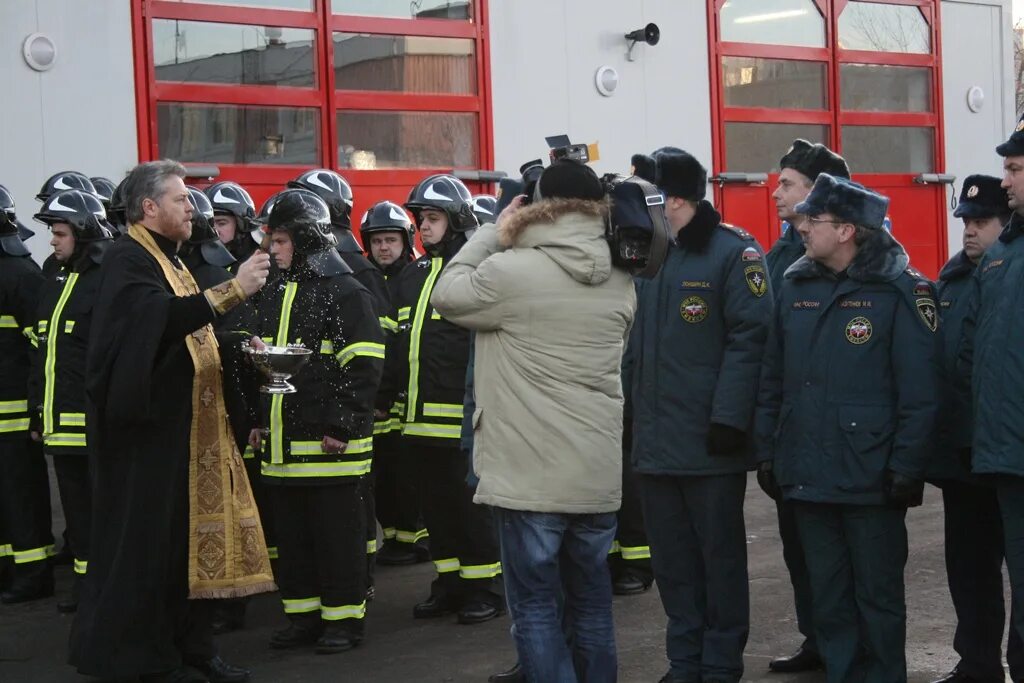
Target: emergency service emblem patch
<point x="973" y="192"/>
<point x="858" y="330"/>
<point x="756" y="279"/>
<point x="926" y="309"/>
<point x="693" y="309"/>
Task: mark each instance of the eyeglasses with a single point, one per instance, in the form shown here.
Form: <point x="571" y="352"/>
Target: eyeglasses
<point x="811" y="219"/>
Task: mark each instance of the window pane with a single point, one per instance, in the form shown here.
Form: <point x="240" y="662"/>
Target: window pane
<point x="758" y="147"/>
<point x="263" y="4"/>
<point x="889" y="149"/>
<point x="406" y="9"/>
<point x="774" y="22"/>
<point x="202" y="52"/>
<point x="884" y="28"/>
<point x="775" y="83"/>
<point x="876" y="87"/>
<point x="239" y="135"/>
<point x="407" y="139"/>
<point x="404" y="63"/>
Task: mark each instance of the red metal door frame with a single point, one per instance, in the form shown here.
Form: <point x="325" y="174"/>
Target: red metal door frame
<point x="148" y="91"/>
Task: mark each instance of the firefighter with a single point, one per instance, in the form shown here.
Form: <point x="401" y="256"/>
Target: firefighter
<point x="233" y="219"/>
<point x="389" y="239"/>
<point x="428" y="370"/>
<point x="80" y="234"/>
<point x="25" y="535"/>
<point x="485" y="208"/>
<point x="320" y="440"/>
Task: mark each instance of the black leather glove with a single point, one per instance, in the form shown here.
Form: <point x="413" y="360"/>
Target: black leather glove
<point x="766" y="480"/>
<point x="903" y="491"/>
<point x="726" y="440"/>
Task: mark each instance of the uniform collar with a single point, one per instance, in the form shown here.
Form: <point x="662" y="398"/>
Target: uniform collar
<point x="697" y="233"/>
<point x="957" y="267"/>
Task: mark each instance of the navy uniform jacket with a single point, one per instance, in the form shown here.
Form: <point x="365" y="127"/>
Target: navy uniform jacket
<point x="953" y="431"/>
<point x="993" y="354"/>
<point x="850" y="382"/>
<point x="784" y="253"/>
<point x="695" y="349"/>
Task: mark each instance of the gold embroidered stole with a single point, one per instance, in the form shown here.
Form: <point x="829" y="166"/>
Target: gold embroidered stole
<point x="227" y="555"/>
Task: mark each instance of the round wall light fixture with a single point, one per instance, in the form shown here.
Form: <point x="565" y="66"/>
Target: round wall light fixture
<point x="607" y="80"/>
<point x="39" y="52"/>
<point x="975" y="98"/>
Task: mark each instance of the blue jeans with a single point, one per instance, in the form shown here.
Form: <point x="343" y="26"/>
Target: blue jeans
<point x="548" y="557"/>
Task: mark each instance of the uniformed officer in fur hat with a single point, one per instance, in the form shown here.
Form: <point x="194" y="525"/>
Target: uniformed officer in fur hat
<point x="692" y="387"/>
<point x="846" y="411"/>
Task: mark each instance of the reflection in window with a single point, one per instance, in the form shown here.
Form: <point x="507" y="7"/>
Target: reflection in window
<point x="775" y="83"/>
<point x="773" y="22"/>
<point x="877" y="27"/>
<point x="406" y="9"/>
<point x="889" y="149"/>
<point x="758" y="147"/>
<point x="404" y="63"/>
<point x="203" y="52"/>
<point x="371" y="140"/>
<point x="238" y="135"/>
<point x="878" y="87"/>
<point x="263" y="4"/>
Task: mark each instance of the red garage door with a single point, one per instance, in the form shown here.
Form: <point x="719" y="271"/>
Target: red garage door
<point x="862" y="76"/>
<point x="383" y="91"/>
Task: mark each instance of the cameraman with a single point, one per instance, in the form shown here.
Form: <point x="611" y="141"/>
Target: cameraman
<point x="551" y="315"/>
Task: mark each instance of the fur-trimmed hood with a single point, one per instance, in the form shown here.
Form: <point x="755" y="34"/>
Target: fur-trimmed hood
<point x="880" y="259"/>
<point x="957" y="267"/>
<point x="569" y="231"/>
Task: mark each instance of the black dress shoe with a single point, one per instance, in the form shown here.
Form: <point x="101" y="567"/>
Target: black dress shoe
<point x="513" y="675"/>
<point x="434" y="606"/>
<point x="629" y="584"/>
<point x="217" y="670"/>
<point x="676" y="678"/>
<point x="801" y="660"/>
<point x="296" y="635"/>
<point x="478" y="613"/>
<point x="395" y="554"/>
<point x="957" y="676"/>
<point x="335" y="640"/>
<point x="183" y="674"/>
<point x="26" y="591"/>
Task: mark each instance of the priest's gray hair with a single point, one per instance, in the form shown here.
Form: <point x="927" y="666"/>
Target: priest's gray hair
<point x="148" y="181"/>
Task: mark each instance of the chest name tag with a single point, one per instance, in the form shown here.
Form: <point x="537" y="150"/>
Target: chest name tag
<point x="695" y="284"/>
<point x="852" y="303"/>
<point x="806" y="305"/>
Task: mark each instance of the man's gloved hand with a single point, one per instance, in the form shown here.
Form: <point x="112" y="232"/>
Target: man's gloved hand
<point x="902" y="490"/>
<point x="726" y="440"/>
<point x="766" y="480"/>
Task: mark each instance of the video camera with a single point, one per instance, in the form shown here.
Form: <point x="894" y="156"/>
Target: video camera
<point x="636" y="229"/>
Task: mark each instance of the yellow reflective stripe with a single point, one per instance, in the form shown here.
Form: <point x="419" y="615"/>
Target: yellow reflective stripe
<point x="368" y="349"/>
<point x="277" y="401"/>
<point x="387" y="324"/>
<point x="382" y="427"/>
<point x="8" y="322"/>
<point x="69" y="326"/>
<point x="70" y="440"/>
<point x="317" y="469"/>
<point x="33" y="555"/>
<point x="434" y="315"/>
<point x="30" y="334"/>
<point x="371" y="547"/>
<point x="327" y="346"/>
<point x="403" y="313"/>
<point x="615" y="548"/>
<point x="413" y="395"/>
<point x="411" y="536"/>
<point x="301" y="606"/>
<point x="446" y="565"/>
<point x="480" y="571"/>
<point x="42" y="326"/>
<point x="72" y="419"/>
<point x="50" y="367"/>
<point x="5" y="550"/>
<point x="248" y="453"/>
<point x="442" y="410"/>
<point x="640" y="552"/>
<point x="16" y="425"/>
<point x="343" y="612"/>
<point x="272" y="552"/>
<point x="81" y="566"/>
<point x="268" y="340"/>
<point x="355" y="446"/>
<point x="389" y="533"/>
<point x="433" y="430"/>
<point x="13" y="406"/>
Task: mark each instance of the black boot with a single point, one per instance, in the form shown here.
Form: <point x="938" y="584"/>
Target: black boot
<point x="395" y="554"/>
<point x="435" y="606"/>
<point x="69" y="605"/>
<point x="303" y="630"/>
<point x="25" y="589"/>
<point x="513" y="675"/>
<point x="336" y="639"/>
<point x="479" y="611"/>
<point x="628" y="583"/>
<point x="217" y="670"/>
<point x="801" y="660"/>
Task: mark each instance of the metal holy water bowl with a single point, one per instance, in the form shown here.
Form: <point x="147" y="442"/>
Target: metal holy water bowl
<point x="278" y="364"/>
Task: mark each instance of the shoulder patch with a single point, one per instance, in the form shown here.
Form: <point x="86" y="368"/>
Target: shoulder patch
<point x="738" y="231"/>
<point x="926" y="309"/>
<point x="750" y="254"/>
<point x="922" y="288"/>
